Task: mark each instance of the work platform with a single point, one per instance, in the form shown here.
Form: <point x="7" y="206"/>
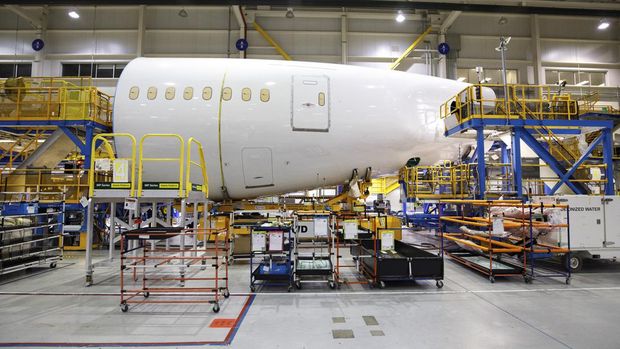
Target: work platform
<point x="544" y="120"/>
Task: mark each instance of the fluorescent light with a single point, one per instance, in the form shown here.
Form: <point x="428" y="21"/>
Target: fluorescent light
<point x="603" y="24"/>
<point x="461" y="79"/>
<point x="74" y="14"/>
<point x="585" y="82"/>
<point x="400" y="17"/>
<point x="7" y="141"/>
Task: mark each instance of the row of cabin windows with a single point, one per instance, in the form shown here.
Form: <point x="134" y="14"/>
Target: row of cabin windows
<point x="207" y="94"/>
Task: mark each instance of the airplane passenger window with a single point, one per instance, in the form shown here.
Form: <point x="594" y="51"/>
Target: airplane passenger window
<point x="207" y="92"/>
<point x="264" y="95"/>
<point x="134" y="92"/>
<point x="170" y="93"/>
<point x="321" y="99"/>
<point x="188" y="93"/>
<point x="246" y="94"/>
<point x="227" y="93"/>
<point x="151" y="93"/>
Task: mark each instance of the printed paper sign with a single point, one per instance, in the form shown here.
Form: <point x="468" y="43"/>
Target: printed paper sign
<point x="276" y="241"/>
<point x="258" y="242"/>
<point x="120" y="172"/>
<point x="350" y="230"/>
<point x="102" y="164"/>
<point x="387" y="240"/>
<point x="321" y="226"/>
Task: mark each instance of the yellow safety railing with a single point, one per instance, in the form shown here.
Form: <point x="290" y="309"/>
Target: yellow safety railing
<point x="429" y="182"/>
<point x="204" y="187"/>
<point x="108" y="151"/>
<point x="50" y="99"/>
<point x="72" y="182"/>
<point x="384" y="185"/>
<point x="178" y="160"/>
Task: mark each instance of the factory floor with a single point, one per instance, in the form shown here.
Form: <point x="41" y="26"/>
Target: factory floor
<point x="52" y="307"/>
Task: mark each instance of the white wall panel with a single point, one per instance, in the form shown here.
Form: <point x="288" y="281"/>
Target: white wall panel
<point x="85" y="42"/>
<point x="293" y="24"/>
<point x="567" y="51"/>
<point x="576" y="28"/>
<point x="91" y="17"/>
<point x="190" y="42"/>
<point x="197" y="18"/>
<point x="484" y="47"/>
<point x="487" y="24"/>
<point x="12" y="43"/>
<point x="386" y="26"/>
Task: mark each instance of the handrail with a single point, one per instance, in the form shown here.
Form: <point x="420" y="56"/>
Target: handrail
<point x="202" y="165"/>
<point x="110" y="155"/>
<point x="142" y="159"/>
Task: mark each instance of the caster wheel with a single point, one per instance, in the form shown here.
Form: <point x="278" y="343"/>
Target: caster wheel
<point x="226" y="293"/>
<point x="381" y="284"/>
<point x="289" y="289"/>
<point x="124" y="307"/>
<point x="53" y="265"/>
<point x="527" y="279"/>
<point x="492" y="279"/>
<point x="332" y="285"/>
<point x="146" y="294"/>
<point x="567" y="281"/>
<point x="253" y="288"/>
<point x="216" y="308"/>
<point x="439" y="283"/>
<point x="298" y="285"/>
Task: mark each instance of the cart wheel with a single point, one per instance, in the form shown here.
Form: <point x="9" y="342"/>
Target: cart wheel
<point x="381" y="284"/>
<point x="146" y="294"/>
<point x="231" y="261"/>
<point x="226" y="293"/>
<point x="289" y="289"/>
<point x="216" y="308"/>
<point x="332" y="285"/>
<point x="492" y="279"/>
<point x="53" y="265"/>
<point x="124" y="307"/>
<point x="298" y="284"/>
<point x="527" y="279"/>
<point x="253" y="288"/>
<point x="568" y="281"/>
<point x="439" y="283"/>
<point x="575" y="263"/>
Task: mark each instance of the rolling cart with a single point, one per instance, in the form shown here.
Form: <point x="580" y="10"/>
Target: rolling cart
<point x="314" y="242"/>
<point x="271" y="257"/>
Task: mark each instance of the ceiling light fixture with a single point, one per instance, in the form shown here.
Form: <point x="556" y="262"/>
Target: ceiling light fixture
<point x="290" y="13"/>
<point x="183" y="13"/>
<point x="585" y="82"/>
<point x="400" y="17"/>
<point x="603" y="24"/>
<point x="73" y="14"/>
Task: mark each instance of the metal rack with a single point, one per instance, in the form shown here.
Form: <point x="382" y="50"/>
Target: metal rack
<point x="500" y="243"/>
<point x="348" y="234"/>
<point x="313" y="248"/>
<point x="174" y="273"/>
<point x="271" y="261"/>
<point x="31" y="228"/>
<point x="383" y="258"/>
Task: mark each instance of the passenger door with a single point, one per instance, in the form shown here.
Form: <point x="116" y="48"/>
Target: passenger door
<point x="310" y="103"/>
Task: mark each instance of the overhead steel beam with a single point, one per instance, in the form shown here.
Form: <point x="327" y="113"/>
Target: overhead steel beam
<point x="409" y="49"/>
<point x="35" y="23"/>
<point x="271" y="41"/>
<point x="570" y="8"/>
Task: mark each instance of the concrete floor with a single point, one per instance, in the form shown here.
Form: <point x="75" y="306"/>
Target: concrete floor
<point x="44" y="307"/>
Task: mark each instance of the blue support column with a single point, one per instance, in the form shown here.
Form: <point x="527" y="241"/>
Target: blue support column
<point x="516" y="161"/>
<point x="87" y="148"/>
<point x="482" y="174"/>
<point x="608" y="149"/>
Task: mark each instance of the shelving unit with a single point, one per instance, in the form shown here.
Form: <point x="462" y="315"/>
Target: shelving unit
<point x="314" y="252"/>
<point x="271" y="262"/>
<point x="30" y="230"/>
<point x="503" y="237"/>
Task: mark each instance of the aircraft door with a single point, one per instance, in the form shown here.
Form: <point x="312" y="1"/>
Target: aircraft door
<point x="310" y="109"/>
<point x="257" y="167"/>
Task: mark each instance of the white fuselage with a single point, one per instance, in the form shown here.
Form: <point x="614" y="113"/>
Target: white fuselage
<point x="273" y="127"/>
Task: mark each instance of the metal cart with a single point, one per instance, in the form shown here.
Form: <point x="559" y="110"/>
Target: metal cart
<point x="314" y="242"/>
<point x="271" y="257"/>
<point x="403" y="262"/>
